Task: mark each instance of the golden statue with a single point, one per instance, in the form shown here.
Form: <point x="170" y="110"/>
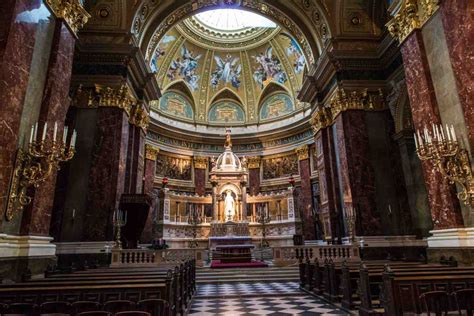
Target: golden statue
<point x="228" y="141"/>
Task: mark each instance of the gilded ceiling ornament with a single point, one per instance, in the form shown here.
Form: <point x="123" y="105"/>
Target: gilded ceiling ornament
<point x="413" y="14"/>
<point x="151" y="152"/>
<point x="302" y="152"/>
<point x="253" y="162"/>
<point x="200" y="162"/>
<point x="71" y="11"/>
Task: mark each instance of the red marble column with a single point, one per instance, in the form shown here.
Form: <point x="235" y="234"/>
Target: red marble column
<point x="356" y="173"/>
<point x="17" y="39"/>
<point x="327" y="183"/>
<point x="36" y="218"/>
<point x="459" y="30"/>
<point x="148" y="185"/>
<point x="254" y="175"/>
<point x="200" y="166"/>
<point x="107" y="172"/>
<point x="306" y="193"/>
<point x="135" y="160"/>
<point x="445" y="208"/>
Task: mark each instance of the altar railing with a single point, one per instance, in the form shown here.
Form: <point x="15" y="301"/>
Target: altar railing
<point x="337" y="253"/>
<point x="149" y="257"/>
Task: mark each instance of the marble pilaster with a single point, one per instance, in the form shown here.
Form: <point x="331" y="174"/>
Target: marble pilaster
<point x="36" y="218"/>
<point x="254" y="176"/>
<point x="445" y="208"/>
<point x="200" y="166"/>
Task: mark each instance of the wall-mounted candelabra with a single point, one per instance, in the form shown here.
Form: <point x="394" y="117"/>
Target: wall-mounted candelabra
<point x="36" y="164"/>
<point x="119" y="220"/>
<point x="442" y="148"/>
<point x="194" y="219"/>
<point x="263" y="218"/>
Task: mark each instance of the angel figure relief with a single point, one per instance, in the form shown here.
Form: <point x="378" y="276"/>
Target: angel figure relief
<point x="269" y="68"/>
<point x="228" y="70"/>
<point x="185" y="67"/>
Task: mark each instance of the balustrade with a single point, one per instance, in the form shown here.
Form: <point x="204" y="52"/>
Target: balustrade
<point x="150" y="257"/>
<point x="337" y="253"/>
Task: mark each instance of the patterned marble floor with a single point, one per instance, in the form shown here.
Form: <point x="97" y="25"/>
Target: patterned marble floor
<point x="258" y="298"/>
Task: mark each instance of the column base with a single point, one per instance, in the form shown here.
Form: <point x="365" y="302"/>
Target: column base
<point x="405" y="247"/>
<point x="19" y="254"/>
<point x="455" y="242"/>
<point x="78" y="253"/>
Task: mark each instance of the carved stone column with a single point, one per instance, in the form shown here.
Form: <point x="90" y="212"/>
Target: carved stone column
<point x="253" y="164"/>
<point x="215" y="202"/>
<point x="200" y="166"/>
<point x="306" y="194"/>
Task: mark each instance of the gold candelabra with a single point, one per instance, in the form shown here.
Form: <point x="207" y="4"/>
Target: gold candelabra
<point x="37" y="163"/>
<point x="441" y="146"/>
<point x="119" y="220"/>
<point x="350" y="217"/>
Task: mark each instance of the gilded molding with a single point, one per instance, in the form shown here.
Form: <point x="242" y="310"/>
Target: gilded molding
<point x="71" y="11"/>
<point x="151" y="152"/>
<point x="200" y="162"/>
<point x="413" y="14"/>
<point x="302" y="152"/>
<point x="343" y="100"/>
<point x="254" y="162"/>
<point x="139" y="117"/>
<point x="113" y="97"/>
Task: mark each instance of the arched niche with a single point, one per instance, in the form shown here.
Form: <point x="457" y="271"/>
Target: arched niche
<point x="226" y="94"/>
<point x="226" y="111"/>
<point x="275" y="101"/>
<point x="177" y="101"/>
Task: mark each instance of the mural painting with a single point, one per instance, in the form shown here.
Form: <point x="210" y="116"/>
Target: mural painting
<point x="173" y="167"/>
<point x="294" y="53"/>
<point x="269" y="68"/>
<point x="185" y="67"/>
<point x="161" y="51"/>
<point x="226" y="112"/>
<point x="280" y="167"/>
<point x="276" y="105"/>
<point x="177" y="105"/>
<point x="228" y="70"/>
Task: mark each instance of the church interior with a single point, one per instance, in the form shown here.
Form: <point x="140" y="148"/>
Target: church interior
<point x="236" y="157"/>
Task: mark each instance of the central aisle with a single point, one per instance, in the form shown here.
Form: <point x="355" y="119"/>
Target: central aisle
<point x="270" y="291"/>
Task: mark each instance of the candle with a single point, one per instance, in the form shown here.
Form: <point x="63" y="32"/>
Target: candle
<point x="416" y="142"/>
<point x="55" y="132"/>
<point x="45" y="128"/>
<point x="36" y="131"/>
<point x="389" y="209"/>
<point x="448" y="133"/>
<point x="442" y="133"/>
<point x="32" y="133"/>
<point x="73" y="141"/>
<point x="64" y="135"/>
<point x="454" y="133"/>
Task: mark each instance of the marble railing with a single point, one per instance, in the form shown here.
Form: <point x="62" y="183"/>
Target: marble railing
<point x="337" y="253"/>
<point x="149" y="257"/>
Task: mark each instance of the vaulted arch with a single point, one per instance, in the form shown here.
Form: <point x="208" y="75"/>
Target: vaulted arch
<point x="226" y="94"/>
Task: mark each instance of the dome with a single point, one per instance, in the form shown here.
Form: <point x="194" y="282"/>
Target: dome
<point x="228" y="161"/>
<point x="216" y="71"/>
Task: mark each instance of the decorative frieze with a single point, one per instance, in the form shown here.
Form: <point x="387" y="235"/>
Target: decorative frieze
<point x="413" y="14"/>
<point x="253" y="162"/>
<point x="302" y="152"/>
<point x="200" y="162"/>
<point x="71" y="11"/>
<point x="151" y="152"/>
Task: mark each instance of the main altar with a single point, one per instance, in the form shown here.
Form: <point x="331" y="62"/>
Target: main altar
<point x="227" y="215"/>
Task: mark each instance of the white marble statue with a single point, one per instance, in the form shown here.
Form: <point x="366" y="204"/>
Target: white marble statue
<point x="229" y="204"/>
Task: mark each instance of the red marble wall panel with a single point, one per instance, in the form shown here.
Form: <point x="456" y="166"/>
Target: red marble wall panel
<point x="306" y="200"/>
<point x="445" y="209"/>
<point x="17" y="41"/>
<point x="254" y="181"/>
<point x="107" y="173"/>
<point x="356" y="174"/>
<point x="36" y="218"/>
<point x="459" y="30"/>
<point x="134" y="174"/>
<point x="200" y="181"/>
<point x="148" y="183"/>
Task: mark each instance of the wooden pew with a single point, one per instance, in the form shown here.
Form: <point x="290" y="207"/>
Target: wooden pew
<point x="401" y="291"/>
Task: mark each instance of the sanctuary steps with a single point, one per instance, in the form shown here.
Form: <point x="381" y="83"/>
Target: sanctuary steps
<point x="270" y="274"/>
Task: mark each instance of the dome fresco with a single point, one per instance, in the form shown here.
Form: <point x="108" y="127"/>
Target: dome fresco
<point x="210" y="57"/>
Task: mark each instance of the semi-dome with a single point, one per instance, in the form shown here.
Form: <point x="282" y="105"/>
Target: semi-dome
<point x="218" y="73"/>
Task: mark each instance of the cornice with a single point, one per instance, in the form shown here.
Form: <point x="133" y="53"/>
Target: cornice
<point x="71" y="11"/>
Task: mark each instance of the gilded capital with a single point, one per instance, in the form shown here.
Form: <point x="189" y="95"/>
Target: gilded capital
<point x="139" y="117"/>
<point x="151" y="152"/>
<point x="115" y="97"/>
<point x="302" y="152"/>
<point x="200" y="162"/>
<point x="253" y="162"/>
<point x="71" y="11"/>
<point x="321" y="118"/>
<point x="413" y="14"/>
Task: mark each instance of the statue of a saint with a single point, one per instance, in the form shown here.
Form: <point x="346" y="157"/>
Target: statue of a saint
<point x="229" y="206"/>
<point x="228" y="141"/>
